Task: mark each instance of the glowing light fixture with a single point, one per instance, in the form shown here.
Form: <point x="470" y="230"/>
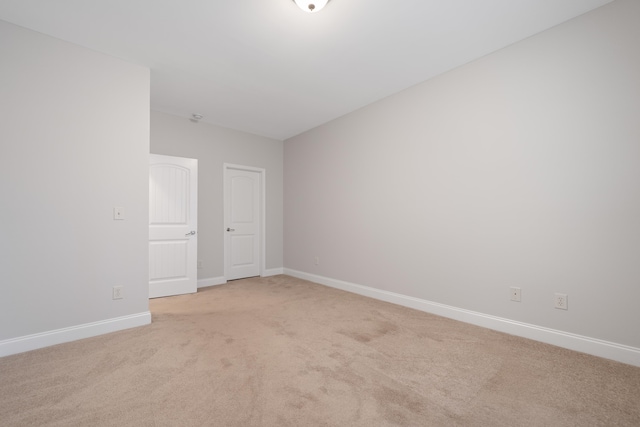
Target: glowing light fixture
<point x="311" y="6"/>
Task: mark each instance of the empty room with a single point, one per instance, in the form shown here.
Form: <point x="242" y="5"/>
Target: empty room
<point x="319" y="213"/>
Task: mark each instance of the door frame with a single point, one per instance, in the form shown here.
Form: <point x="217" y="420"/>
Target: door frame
<point x="261" y="216"/>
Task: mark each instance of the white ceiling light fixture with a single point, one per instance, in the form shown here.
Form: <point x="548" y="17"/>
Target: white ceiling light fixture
<point x="312" y="5"/>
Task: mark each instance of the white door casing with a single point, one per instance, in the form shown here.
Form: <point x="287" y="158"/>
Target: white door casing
<point x="173" y="221"/>
<point x="244" y="201"/>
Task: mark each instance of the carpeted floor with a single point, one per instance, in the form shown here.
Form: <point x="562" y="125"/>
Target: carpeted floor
<point x="281" y="351"/>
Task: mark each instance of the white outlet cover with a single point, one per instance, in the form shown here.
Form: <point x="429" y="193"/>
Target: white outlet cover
<point x="118" y="292"/>
<point x="561" y="301"/>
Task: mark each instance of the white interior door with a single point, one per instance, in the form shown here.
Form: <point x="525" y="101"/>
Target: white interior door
<point x="173" y="223"/>
<point x="243" y="205"/>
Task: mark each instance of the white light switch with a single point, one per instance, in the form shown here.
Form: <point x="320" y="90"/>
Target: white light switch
<point x="118" y="213"/>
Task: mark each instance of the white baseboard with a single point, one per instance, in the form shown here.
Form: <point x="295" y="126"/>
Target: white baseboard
<point x="212" y="281"/>
<point x="273" y="272"/>
<point x="59" y="336"/>
<point x="609" y="350"/>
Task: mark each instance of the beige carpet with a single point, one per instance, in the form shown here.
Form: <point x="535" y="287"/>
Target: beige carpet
<point x="285" y="352"/>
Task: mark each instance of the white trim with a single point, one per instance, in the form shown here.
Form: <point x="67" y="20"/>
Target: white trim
<point x="212" y="281"/>
<point x="272" y="272"/>
<point x="609" y="350"/>
<point x="73" y="333"/>
<point x="263" y="211"/>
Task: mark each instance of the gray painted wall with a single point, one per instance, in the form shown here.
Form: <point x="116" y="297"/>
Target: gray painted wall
<point x="519" y="169"/>
<point x="213" y="146"/>
<point x="74" y="143"/>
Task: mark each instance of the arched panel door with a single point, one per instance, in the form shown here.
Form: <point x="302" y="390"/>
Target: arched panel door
<point x="173" y="224"/>
<point x="243" y="221"/>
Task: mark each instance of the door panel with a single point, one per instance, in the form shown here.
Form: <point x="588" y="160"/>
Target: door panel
<point x="243" y="204"/>
<point x="165" y="253"/>
<point x="242" y="199"/>
<point x="242" y="250"/>
<point x="173" y="242"/>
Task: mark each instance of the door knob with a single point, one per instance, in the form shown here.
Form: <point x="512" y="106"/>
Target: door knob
<point x="231" y="229"/>
<point x="191" y="233"/>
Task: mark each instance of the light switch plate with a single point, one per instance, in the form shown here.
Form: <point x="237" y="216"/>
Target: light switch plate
<point x="118" y="213"/>
<point x="515" y="293"/>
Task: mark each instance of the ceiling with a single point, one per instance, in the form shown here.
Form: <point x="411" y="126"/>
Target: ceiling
<point x="268" y="68"/>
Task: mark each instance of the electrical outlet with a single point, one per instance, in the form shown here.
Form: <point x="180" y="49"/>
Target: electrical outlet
<point x="561" y="301"/>
<point x="515" y="294"/>
<point x="118" y="292"/>
<point x="316" y="260"/>
<point x="199" y="264"/>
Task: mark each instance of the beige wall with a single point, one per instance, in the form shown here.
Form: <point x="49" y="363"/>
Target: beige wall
<point x="213" y="146"/>
<point x="74" y="143"/>
<point x="519" y="169"/>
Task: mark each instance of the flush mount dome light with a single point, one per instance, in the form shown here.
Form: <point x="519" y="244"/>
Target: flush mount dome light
<point x="311" y="6"/>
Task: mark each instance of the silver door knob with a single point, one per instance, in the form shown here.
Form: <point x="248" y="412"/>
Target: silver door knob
<point x="191" y="233"/>
<point x="231" y="229"/>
